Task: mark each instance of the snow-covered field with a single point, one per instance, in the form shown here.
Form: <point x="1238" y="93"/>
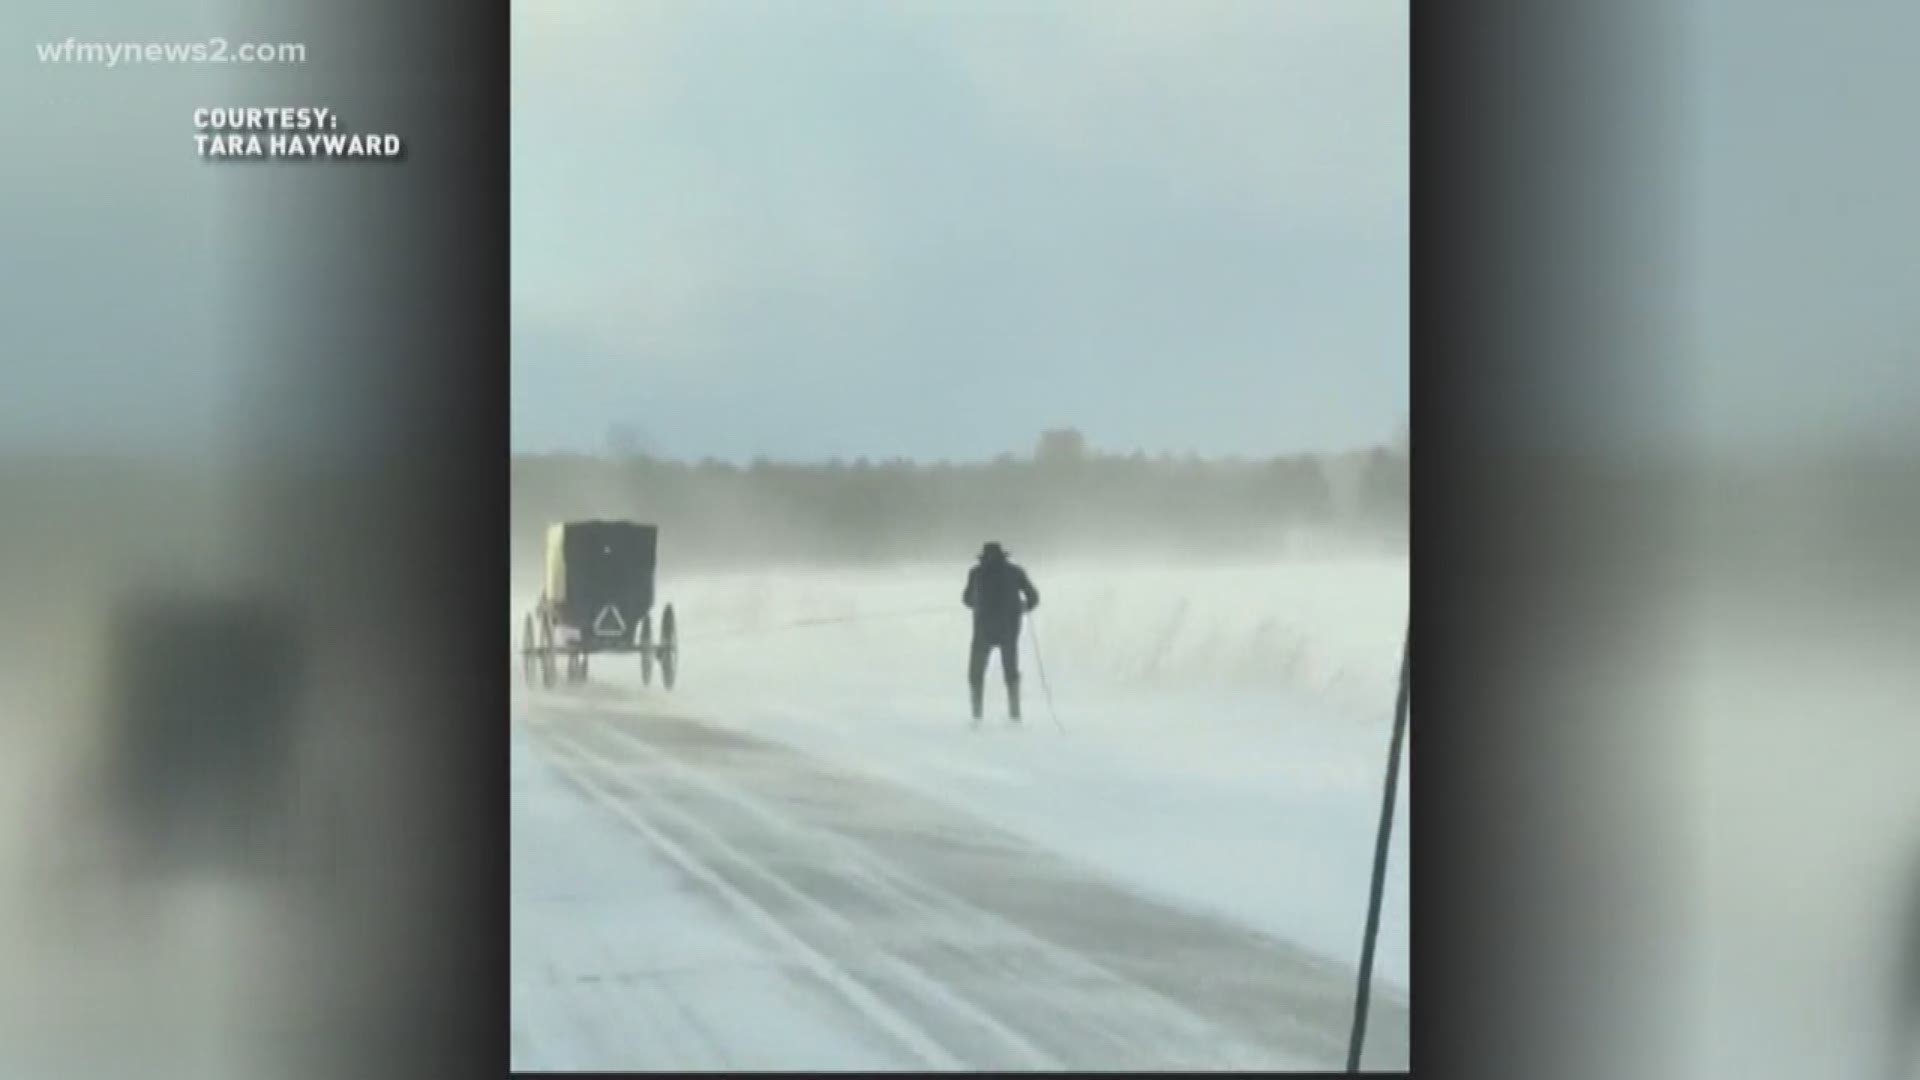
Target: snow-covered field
<point x="1215" y="742"/>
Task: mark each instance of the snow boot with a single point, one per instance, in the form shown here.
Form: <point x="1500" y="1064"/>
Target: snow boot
<point x="1013" y="700"/>
<point x="979" y="699"/>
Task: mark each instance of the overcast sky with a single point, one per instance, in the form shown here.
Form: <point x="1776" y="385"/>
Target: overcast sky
<point x="813" y="227"/>
<point x="934" y="229"/>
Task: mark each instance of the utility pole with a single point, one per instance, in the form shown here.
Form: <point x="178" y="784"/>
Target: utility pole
<point x="1361" y="998"/>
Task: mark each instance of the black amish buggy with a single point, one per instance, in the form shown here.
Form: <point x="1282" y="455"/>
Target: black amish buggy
<point x="598" y="598"/>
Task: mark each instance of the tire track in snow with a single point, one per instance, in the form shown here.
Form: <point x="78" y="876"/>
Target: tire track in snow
<point x="1107" y="977"/>
<point x="828" y="931"/>
<point x="1132" y="1022"/>
<point x="855" y="994"/>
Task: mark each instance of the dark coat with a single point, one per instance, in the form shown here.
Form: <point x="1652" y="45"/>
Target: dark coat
<point x="999" y="592"/>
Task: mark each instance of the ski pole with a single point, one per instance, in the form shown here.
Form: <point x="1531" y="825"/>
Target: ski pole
<point x="1041" y="663"/>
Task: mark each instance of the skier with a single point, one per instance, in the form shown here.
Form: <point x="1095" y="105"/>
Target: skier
<point x="999" y="592"/>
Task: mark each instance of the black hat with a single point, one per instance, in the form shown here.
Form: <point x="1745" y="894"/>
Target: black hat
<point x="993" y="550"/>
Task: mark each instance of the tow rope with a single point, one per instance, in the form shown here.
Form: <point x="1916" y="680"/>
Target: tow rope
<point x="833" y="620"/>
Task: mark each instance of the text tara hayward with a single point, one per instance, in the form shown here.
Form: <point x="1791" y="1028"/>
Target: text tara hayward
<point x="290" y="132"/>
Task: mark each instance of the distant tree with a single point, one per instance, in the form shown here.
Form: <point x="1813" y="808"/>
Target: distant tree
<point x="1061" y="446"/>
<point x="1384" y="487"/>
<point x="1316" y="491"/>
<point x="1299" y="488"/>
<point x="625" y="442"/>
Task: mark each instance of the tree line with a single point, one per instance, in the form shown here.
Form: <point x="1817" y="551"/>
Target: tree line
<point x="1061" y="498"/>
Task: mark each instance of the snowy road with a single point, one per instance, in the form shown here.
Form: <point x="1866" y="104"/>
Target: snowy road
<point x="689" y="896"/>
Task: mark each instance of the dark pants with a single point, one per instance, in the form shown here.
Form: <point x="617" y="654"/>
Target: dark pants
<point x="985" y="640"/>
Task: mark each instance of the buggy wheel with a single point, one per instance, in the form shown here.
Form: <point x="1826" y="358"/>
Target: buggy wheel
<point x="669" y="648"/>
<point x="548" y="674"/>
<point x="529" y="650"/>
<point x="646" y="649"/>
